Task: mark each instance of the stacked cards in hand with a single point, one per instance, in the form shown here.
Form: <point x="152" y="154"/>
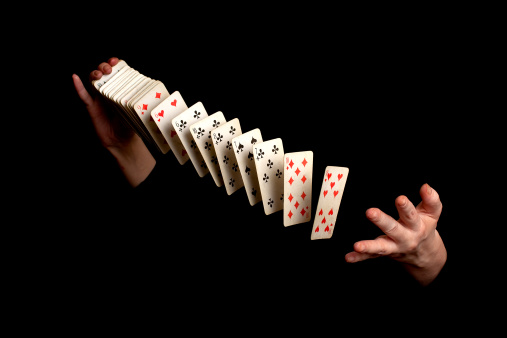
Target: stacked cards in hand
<point x="134" y="96"/>
<point x="235" y="159"/>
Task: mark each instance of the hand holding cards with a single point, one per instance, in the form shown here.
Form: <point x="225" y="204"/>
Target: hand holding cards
<point x="281" y="181"/>
<point x="134" y="95"/>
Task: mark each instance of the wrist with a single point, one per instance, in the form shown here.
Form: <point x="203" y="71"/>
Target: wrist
<point x="134" y="159"/>
<point x="428" y="265"/>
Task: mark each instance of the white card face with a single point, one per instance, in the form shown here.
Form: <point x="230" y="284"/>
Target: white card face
<point x="201" y="132"/>
<point x="330" y="198"/>
<point x="163" y="115"/>
<point x="222" y="141"/>
<point x="139" y="94"/>
<point x="105" y="78"/>
<point x="182" y="124"/>
<point x="270" y="166"/>
<point x="143" y="107"/>
<point x="124" y="100"/>
<point x="132" y="93"/>
<point x="297" y="189"/>
<point x="244" y="151"/>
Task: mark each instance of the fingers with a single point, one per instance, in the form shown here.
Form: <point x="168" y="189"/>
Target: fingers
<point x="407" y="212"/>
<point x="398" y="235"/>
<point x="81" y="90"/>
<point x="104" y="68"/>
<point x="363" y="250"/>
<point x="430" y="201"/>
<point x="382" y="245"/>
<point x="113" y="61"/>
<point x="95" y="75"/>
<point x="387" y="224"/>
<point x="353" y="257"/>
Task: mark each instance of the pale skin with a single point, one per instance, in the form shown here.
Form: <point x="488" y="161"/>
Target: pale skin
<point x="412" y="239"/>
<point x="129" y="150"/>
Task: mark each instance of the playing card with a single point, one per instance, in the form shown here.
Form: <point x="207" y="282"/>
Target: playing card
<point x="297" y="188"/>
<point x="144" y="104"/>
<point x="116" y="81"/>
<point x="124" y="101"/>
<point x="105" y="78"/>
<point x="222" y="141"/>
<point x="130" y="113"/>
<point x="243" y="149"/>
<point x="163" y="115"/>
<point x="133" y="96"/>
<point x="270" y="166"/>
<point x="119" y="81"/>
<point x="121" y="94"/>
<point x="330" y="198"/>
<point x="129" y="79"/>
<point x="182" y="124"/>
<point x="201" y="132"/>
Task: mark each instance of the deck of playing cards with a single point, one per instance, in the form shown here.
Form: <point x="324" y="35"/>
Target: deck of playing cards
<point x="134" y="96"/>
<point x="281" y="181"/>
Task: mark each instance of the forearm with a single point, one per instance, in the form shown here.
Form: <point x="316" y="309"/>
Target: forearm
<point x="430" y="264"/>
<point x="134" y="160"/>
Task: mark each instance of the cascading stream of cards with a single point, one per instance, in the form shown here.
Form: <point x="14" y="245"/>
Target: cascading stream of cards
<point x="235" y="159"/>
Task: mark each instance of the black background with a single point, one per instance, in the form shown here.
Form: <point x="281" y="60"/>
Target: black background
<point x="380" y="102"/>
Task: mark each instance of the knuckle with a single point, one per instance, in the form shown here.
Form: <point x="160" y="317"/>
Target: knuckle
<point x="393" y="228"/>
<point x="382" y="250"/>
<point x="412" y="244"/>
<point x="412" y="214"/>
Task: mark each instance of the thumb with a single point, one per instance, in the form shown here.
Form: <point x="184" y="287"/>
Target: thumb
<point x="430" y="201"/>
<point x="81" y="90"/>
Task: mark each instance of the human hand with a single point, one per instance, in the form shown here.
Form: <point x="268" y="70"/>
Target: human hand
<point x="111" y="131"/>
<point x="412" y="240"/>
<point x="132" y="155"/>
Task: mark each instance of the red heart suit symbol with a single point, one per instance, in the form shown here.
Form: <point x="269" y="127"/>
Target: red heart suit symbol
<point x="173" y="103"/>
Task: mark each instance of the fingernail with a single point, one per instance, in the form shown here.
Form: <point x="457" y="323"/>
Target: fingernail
<point x="428" y="189"/>
<point x="107" y="68"/>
